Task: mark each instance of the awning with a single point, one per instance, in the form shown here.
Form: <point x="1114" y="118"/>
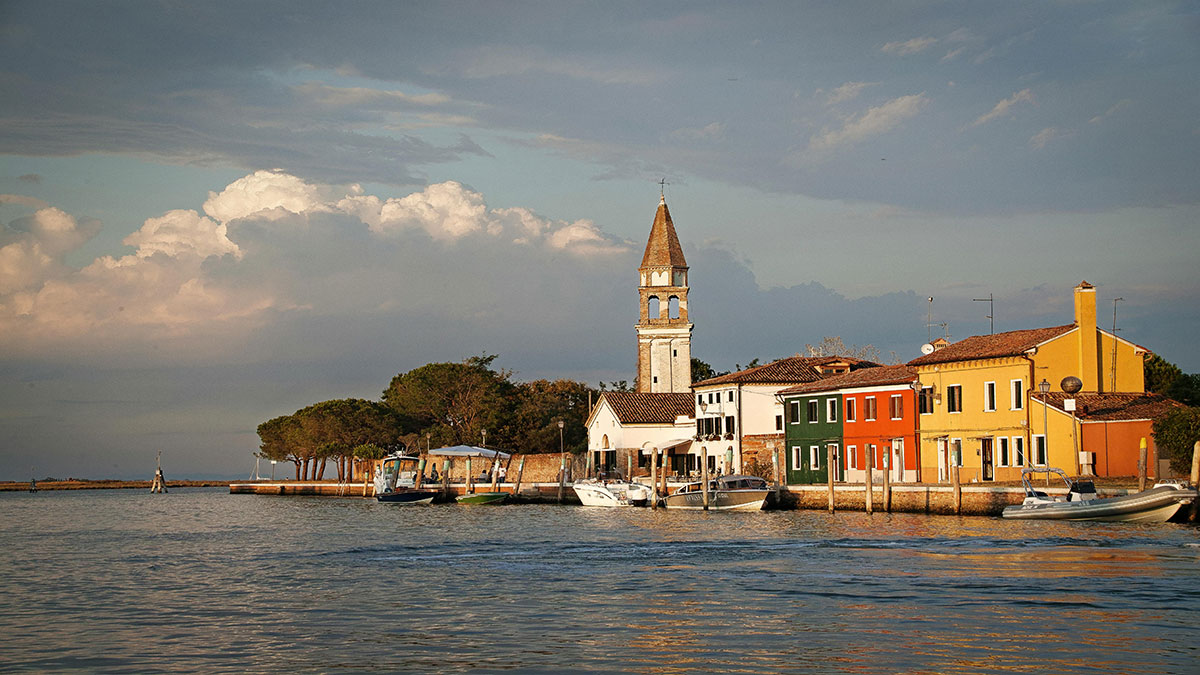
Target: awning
<point x="468" y="451"/>
<point x="668" y="445"/>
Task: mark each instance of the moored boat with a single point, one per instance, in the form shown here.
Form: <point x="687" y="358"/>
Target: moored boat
<point x="395" y="483"/>
<point x="727" y="493"/>
<point x="482" y="498"/>
<point x="1156" y="505"/>
<point x="492" y="496"/>
<point x="615" y="492"/>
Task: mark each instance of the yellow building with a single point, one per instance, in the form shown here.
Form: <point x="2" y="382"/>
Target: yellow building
<point x="975" y="406"/>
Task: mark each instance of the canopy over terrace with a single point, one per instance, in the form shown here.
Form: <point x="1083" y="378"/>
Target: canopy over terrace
<point x="468" y="451"/>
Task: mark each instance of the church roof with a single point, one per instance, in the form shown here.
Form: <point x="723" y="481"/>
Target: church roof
<point x="792" y="370"/>
<point x="646" y="408"/>
<point x="663" y="249"/>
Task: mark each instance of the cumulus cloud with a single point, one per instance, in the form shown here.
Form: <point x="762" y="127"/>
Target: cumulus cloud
<point x="266" y="194"/>
<point x="296" y="247"/>
<point x="875" y="121"/>
<point x="34" y="246"/>
<point x="709" y="132"/>
<point x="1002" y="108"/>
<point x="907" y="47"/>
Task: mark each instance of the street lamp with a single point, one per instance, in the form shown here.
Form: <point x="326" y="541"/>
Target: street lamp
<point x="562" y="462"/>
<point x="1044" y="387"/>
<point x="483" y="432"/>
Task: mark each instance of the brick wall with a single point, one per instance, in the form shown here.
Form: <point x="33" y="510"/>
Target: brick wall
<point x="756" y="454"/>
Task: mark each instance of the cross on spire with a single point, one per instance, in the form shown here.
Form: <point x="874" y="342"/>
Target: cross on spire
<point x="662" y="189"/>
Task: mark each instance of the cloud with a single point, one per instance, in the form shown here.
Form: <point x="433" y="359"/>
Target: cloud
<point x="507" y="61"/>
<point x="1002" y="108"/>
<point x="1119" y="105"/>
<point x="907" y="47"/>
<point x="1045" y="136"/>
<point x="270" y="244"/>
<point x="23" y="200"/>
<point x="709" y="132"/>
<point x="875" y="121"/>
<point x="847" y="92"/>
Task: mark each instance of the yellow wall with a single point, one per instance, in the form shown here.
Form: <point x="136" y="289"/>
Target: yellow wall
<point x="1059" y="358"/>
<point x="974" y="423"/>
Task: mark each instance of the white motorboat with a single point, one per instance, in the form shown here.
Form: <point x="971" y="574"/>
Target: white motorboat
<point x="1155" y="505"/>
<point x="615" y="492"/>
<point x="396" y="485"/>
<point x="727" y="493"/>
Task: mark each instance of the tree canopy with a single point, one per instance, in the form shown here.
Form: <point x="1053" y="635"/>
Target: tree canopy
<point x="1175" y="434"/>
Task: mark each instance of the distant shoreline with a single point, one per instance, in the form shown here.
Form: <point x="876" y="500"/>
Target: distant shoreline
<point x="113" y="484"/>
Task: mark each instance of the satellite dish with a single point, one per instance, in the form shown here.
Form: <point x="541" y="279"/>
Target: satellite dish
<point x="926" y="348"/>
<point x="1071" y="384"/>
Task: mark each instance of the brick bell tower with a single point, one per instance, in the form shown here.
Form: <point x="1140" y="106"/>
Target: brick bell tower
<point x="664" y="333"/>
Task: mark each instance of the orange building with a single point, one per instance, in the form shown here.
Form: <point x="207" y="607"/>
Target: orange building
<point x="1105" y="428"/>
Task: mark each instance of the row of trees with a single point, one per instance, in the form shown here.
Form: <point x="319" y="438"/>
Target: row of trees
<point x="436" y="405"/>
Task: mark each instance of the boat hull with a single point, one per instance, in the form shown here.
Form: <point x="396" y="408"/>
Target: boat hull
<point x="407" y="496"/>
<point x="718" y="500"/>
<point x="613" y="494"/>
<point x="1157" y="505"/>
<point x="482" y="498"/>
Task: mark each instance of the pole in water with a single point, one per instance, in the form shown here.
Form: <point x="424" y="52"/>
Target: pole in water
<point x="829" y="472"/>
<point x="653" y="478"/>
<point x="1141" y="462"/>
<point x="869" y="488"/>
<point x="160" y="482"/>
<point x="704" y="473"/>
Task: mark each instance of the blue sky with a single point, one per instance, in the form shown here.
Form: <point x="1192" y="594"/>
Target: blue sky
<point x="215" y="213"/>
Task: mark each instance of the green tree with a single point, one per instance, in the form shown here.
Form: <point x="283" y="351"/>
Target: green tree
<point x="1186" y="389"/>
<point x="1160" y="374"/>
<point x="1175" y="434"/>
<point x="702" y="371"/>
<point x="540" y="405"/>
<point x="454" y="402"/>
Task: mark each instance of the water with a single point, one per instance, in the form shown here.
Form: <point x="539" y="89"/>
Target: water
<point x="204" y="581"/>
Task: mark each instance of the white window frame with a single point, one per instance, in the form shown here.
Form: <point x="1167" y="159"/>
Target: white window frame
<point x="892" y="407"/>
<point x="809" y="405"/>
<point x="1016" y="399"/>
<point x="831" y="410"/>
<point x="956" y="443"/>
<point x="797" y="465"/>
<point x="989" y="397"/>
<point x="795" y="405"/>
<point x="870" y="407"/>
<point x="852" y="457"/>
<point x="1003" y="450"/>
<point x="1018" y="451"/>
<point x="851" y="410"/>
<point x="950" y="399"/>
<point x="814" y="458"/>
<point x="1039" y="448"/>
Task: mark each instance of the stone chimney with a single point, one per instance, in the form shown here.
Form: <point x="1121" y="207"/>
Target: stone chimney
<point x="1089" y="338"/>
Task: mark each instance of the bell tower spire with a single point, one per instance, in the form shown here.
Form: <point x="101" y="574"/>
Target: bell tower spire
<point x="663" y="330"/>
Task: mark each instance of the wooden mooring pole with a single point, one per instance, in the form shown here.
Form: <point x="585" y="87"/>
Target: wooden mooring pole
<point x="562" y="475"/>
<point x="775" y="473"/>
<point x="869" y="482"/>
<point x="704" y="473"/>
<point x="520" y="470"/>
<point x="1195" y="477"/>
<point x="887" y="481"/>
<point x="957" y="489"/>
<point x="829" y="472"/>
<point x="654" y="478"/>
<point x="1142" y="464"/>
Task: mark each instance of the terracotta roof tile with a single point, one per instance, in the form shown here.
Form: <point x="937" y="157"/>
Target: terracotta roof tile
<point x="647" y="408"/>
<point x="1114" y="407"/>
<point x="864" y="377"/>
<point x="1012" y="343"/>
<point x="662" y="248"/>
<point x="792" y="370"/>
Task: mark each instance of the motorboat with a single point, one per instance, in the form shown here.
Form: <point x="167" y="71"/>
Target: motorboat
<point x="1155" y="505"/>
<point x="726" y="493"/>
<point x="472" y="451"/>
<point x="611" y="492"/>
<point x="396" y="481"/>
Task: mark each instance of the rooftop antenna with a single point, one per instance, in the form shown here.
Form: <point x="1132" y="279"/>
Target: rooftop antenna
<point x="1113" y="384"/>
<point x="991" y="315"/>
<point x="929" y="321"/>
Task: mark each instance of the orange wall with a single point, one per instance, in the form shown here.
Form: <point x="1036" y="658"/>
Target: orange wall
<point x="1116" y="446"/>
<point x="880" y="431"/>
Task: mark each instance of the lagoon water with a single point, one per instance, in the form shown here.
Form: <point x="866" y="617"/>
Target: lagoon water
<point x="203" y="581"/>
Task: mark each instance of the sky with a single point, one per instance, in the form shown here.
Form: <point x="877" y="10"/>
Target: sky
<point x="215" y="213"/>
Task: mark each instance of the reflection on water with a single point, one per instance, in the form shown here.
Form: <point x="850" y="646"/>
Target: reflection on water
<point x="204" y="581"/>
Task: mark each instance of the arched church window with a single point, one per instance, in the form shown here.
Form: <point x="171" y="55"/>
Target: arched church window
<point x="604" y="442"/>
<point x="673" y="307"/>
<point x="652" y="308"/>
